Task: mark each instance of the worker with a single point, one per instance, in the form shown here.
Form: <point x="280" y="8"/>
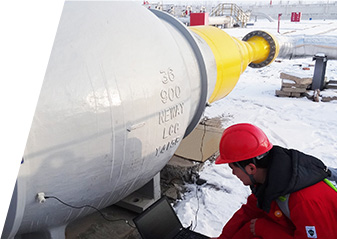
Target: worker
<point x="291" y="197"/>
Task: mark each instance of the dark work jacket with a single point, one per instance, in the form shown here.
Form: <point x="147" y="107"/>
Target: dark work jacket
<point x="289" y="171"/>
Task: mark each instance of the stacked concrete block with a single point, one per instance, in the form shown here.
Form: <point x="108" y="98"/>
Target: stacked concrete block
<point x="330" y="93"/>
<point x="332" y="84"/>
<point x="293" y="85"/>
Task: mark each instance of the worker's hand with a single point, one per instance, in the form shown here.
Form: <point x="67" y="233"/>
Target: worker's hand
<point x="252" y="226"/>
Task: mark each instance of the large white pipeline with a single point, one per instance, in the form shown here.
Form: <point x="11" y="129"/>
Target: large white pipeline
<point x="123" y="86"/>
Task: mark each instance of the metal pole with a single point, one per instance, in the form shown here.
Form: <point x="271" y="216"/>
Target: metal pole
<point x="319" y="72"/>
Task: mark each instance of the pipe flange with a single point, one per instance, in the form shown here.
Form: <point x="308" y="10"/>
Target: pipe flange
<point x="272" y="45"/>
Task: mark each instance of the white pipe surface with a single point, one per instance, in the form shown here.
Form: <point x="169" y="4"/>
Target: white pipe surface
<point x="307" y="46"/>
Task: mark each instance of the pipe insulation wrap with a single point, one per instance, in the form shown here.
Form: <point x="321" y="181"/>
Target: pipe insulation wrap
<point x="299" y="46"/>
<point x="227" y="58"/>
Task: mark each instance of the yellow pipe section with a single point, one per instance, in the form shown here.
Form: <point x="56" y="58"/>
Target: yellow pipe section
<point x="259" y="47"/>
<point x="232" y="56"/>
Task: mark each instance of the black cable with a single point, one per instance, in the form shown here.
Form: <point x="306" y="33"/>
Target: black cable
<point x="89" y="206"/>
<point x="202" y="140"/>
<point x="197" y="211"/>
<point x="197" y="186"/>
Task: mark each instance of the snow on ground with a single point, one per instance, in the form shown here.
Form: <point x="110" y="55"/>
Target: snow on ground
<point x="298" y="123"/>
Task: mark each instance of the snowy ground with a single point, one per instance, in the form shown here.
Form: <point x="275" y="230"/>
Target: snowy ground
<point x="296" y="123"/>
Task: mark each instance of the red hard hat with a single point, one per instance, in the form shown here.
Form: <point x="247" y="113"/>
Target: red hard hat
<point x="242" y="141"/>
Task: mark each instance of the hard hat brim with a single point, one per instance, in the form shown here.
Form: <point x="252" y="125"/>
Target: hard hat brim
<point x="220" y="160"/>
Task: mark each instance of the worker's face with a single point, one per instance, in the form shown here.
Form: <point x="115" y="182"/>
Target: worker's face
<point x="238" y="172"/>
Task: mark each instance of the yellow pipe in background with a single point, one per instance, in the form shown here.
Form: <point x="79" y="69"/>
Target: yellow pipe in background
<point x="232" y="56"/>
